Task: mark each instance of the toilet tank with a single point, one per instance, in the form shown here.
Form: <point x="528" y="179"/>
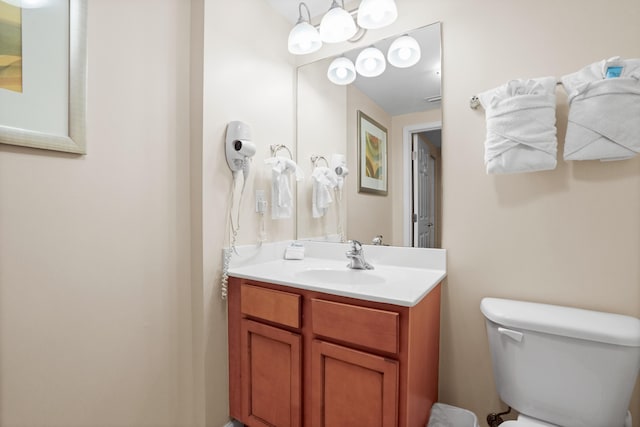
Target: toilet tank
<point x="566" y="366"/>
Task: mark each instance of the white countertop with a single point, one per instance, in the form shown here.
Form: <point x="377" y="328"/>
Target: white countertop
<point x="401" y="276"/>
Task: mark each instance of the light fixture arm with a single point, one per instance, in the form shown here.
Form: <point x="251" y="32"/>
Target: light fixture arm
<point x="300" y="18"/>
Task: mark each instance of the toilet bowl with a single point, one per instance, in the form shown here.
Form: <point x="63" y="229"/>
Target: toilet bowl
<point x="562" y="366"/>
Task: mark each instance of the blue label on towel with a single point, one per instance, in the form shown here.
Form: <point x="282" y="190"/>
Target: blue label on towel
<point x="613" y="72"/>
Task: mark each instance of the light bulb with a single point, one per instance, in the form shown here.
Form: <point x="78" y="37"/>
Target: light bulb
<point x="341" y="71"/>
<point x="404" y="53"/>
<point x="370" y="62"/>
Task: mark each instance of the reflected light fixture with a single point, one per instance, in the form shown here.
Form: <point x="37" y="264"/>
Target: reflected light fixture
<point x="27" y="4"/>
<point x="304" y="38"/>
<point x="370" y="62"/>
<point x="337" y="25"/>
<point x="404" y="52"/>
<point x="341" y="71"/>
<point x="374" y="14"/>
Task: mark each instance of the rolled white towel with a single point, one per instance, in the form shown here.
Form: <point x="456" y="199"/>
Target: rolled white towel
<point x="324" y="181"/>
<point x="521" y="130"/>
<point x="604" y="111"/>
<point x="281" y="196"/>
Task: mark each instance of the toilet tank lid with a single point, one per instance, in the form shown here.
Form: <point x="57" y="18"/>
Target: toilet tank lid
<point x="563" y="321"/>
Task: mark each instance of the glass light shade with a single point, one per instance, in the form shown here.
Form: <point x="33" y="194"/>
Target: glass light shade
<point x="374" y="14"/>
<point x="404" y="52"/>
<point x="337" y="25"/>
<point x="370" y="62"/>
<point x="341" y="71"/>
<point x="304" y="38"/>
<point x="27" y="4"/>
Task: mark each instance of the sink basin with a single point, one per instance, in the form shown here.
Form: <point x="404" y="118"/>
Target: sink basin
<point x="344" y="276"/>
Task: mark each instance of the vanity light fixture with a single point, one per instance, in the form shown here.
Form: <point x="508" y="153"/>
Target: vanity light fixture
<point x="337" y="25"/>
<point x="374" y="14"/>
<point x="304" y="37"/>
<point x="341" y="71"/>
<point x="27" y="4"/>
<point x="404" y="52"/>
<point x="370" y="62"/>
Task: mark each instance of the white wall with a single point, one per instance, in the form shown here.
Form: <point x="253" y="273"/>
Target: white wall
<point x="94" y="250"/>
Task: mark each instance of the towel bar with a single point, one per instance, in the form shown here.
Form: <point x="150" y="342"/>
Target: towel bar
<point x="315" y="159"/>
<point x="277" y="147"/>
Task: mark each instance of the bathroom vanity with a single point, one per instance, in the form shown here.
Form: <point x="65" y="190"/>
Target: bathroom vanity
<point x="306" y="352"/>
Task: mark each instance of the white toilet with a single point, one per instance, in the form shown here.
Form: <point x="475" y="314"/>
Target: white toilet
<point x="561" y="366"/>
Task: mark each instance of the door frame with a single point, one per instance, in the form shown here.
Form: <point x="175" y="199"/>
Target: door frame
<point x="407" y="184"/>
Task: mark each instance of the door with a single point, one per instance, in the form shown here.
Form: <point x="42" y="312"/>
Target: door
<point x="271" y="376"/>
<point x="352" y="388"/>
<point x="423" y="194"/>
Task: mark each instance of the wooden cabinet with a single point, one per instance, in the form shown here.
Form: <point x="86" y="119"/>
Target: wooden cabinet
<point x="303" y="358"/>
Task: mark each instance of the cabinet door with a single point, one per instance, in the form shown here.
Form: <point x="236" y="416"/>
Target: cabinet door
<point x="352" y="388"/>
<point x="271" y="377"/>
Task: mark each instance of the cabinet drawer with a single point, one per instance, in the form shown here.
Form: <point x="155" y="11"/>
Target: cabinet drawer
<point x="273" y="306"/>
<point x="368" y="327"/>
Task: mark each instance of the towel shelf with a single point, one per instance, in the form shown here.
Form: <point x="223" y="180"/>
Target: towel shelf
<point x="474" y="102"/>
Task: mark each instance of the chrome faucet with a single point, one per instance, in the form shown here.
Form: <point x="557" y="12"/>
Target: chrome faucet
<point x="377" y="240"/>
<point x="356" y="255"/>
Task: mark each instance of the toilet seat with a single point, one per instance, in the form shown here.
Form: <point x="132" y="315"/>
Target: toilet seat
<point x="524" y="421"/>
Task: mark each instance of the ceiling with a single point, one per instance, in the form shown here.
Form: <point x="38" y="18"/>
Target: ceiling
<point x="398" y="91"/>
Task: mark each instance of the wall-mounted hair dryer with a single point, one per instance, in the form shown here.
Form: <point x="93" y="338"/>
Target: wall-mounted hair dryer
<point x="339" y="165"/>
<point x="238" y="147"/>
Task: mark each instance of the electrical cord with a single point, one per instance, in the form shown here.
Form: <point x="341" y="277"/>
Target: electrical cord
<point x="233" y="235"/>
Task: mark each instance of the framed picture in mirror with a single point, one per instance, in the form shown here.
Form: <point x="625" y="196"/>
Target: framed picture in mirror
<point x="372" y="156"/>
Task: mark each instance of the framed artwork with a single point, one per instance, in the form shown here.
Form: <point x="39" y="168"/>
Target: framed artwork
<point x="43" y="62"/>
<point x="372" y="156"/>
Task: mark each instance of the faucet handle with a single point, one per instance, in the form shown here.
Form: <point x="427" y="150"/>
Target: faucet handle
<point x="355" y="245"/>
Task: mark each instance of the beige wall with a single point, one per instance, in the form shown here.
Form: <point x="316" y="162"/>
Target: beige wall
<point x="568" y="236"/>
<point x="429" y="117"/>
<point x="94" y="250"/>
<point x="98" y="323"/>
<point x="322" y="131"/>
<point x="250" y="76"/>
<point x="367" y="214"/>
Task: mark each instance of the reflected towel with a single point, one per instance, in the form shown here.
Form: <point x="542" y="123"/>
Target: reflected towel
<point x="324" y="181"/>
<point x="521" y="131"/>
<point x="281" y="196"/>
<point x="604" y="113"/>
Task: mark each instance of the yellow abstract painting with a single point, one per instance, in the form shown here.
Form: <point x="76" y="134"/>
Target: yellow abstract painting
<point x="10" y="47"/>
<point x="373" y="157"/>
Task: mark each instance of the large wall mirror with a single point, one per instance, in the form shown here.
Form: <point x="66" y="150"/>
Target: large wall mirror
<point x="405" y="106"/>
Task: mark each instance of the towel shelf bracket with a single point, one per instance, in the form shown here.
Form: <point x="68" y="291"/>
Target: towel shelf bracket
<point x="474" y="103"/>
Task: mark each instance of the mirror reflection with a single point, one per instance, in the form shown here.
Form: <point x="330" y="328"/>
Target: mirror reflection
<point x="403" y="102"/>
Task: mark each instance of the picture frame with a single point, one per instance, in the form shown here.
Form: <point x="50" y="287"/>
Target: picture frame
<point x="73" y="139"/>
<point x="372" y="156"/>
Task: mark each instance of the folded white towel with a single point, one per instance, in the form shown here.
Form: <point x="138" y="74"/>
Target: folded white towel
<point x="281" y="196"/>
<point x="521" y="131"/>
<point x="604" y="113"/>
<point x="324" y="181"/>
